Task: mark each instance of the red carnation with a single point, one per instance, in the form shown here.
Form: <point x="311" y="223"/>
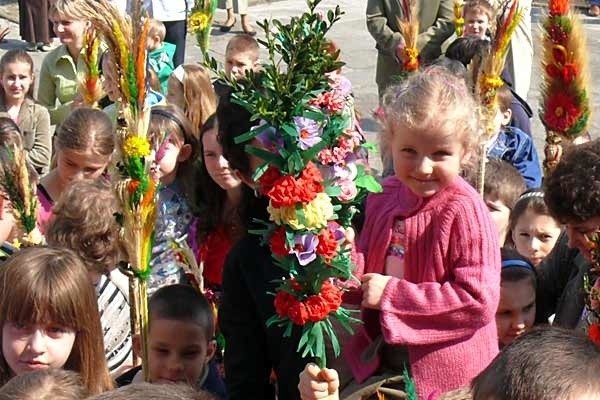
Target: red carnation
<point x="332" y="295"/>
<point x="278" y="242"/>
<point x="268" y="179"/>
<point x="594" y="333"/>
<point x="327" y="247"/>
<point x="285" y="192"/>
<point x="311" y="180"/>
<point x="318" y="308"/>
<point x="298" y="313"/>
<point x="283" y="302"/>
<point x="561" y="112"/>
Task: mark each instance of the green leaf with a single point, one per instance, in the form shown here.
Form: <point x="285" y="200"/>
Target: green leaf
<point x="333" y="191"/>
<point x="265" y="155"/>
<point x="369" y="183"/>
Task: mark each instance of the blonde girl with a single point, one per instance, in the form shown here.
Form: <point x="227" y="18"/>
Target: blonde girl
<point x="16" y="102"/>
<point x="532" y="228"/>
<point x="48" y="384"/>
<point x="430" y="280"/>
<point x="58" y="76"/>
<point x="50" y="318"/>
<point x="176" y="147"/>
<point x="83" y="220"/>
<point x="84" y="146"/>
<point x="189" y="88"/>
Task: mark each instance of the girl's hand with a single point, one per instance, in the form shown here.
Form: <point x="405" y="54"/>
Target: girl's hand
<point x="316" y="383"/>
<point x="372" y="287"/>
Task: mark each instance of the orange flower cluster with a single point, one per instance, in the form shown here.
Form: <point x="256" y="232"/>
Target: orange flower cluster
<point x="315" y="308"/>
<point x="287" y="191"/>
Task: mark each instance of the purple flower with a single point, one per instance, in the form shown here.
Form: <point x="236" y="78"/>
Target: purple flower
<point x="309" y="132"/>
<point x="338" y="232"/>
<point x="305" y="247"/>
<point x="270" y="139"/>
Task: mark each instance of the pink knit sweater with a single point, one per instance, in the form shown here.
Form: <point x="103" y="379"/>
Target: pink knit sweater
<point x="443" y="310"/>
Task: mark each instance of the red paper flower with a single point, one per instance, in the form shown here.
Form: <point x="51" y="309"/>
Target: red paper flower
<point x="327" y="247"/>
<point x="285" y="192"/>
<point x="561" y="112"/>
<point x="283" y="302"/>
<point x="567" y="73"/>
<point x="332" y="295"/>
<point x="278" y="243"/>
<point x="317" y="307"/>
<point x="298" y="314"/>
<point x="594" y="333"/>
<point x="558" y="7"/>
<point x="333" y="101"/>
<point x="311" y="179"/>
<point x="268" y="179"/>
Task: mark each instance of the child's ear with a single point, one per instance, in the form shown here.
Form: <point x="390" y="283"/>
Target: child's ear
<point x="184" y="153"/>
<point x="211" y="350"/>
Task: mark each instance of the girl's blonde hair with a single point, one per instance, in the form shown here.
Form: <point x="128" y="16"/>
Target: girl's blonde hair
<point x="49" y="384"/>
<point x="198" y="93"/>
<point x="18" y="56"/>
<point x="87" y="128"/>
<point x="70" y="9"/>
<point x="44" y="285"/>
<point x="84" y="221"/>
<point x="432" y="99"/>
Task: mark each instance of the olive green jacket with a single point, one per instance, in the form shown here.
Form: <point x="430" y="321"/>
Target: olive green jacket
<point x="436" y="24"/>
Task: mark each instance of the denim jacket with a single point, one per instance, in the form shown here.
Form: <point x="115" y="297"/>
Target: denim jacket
<point x="516" y="147"/>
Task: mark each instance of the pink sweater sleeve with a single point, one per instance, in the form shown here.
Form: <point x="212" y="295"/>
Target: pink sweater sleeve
<point x="455" y="307"/>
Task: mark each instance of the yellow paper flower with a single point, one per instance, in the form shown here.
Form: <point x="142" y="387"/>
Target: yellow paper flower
<point x="136" y="146"/>
<point x="490" y="82"/>
<point x="316" y="214"/>
<point x="197" y="22"/>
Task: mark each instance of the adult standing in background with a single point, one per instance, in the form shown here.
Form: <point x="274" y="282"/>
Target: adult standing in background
<point x="172" y="13"/>
<point x="240" y="7"/>
<point x="436" y="24"/>
<point x="34" y="25"/>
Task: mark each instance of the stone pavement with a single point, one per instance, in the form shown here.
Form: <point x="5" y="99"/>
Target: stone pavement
<point x="358" y="51"/>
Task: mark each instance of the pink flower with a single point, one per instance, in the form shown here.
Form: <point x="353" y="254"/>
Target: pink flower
<point x="349" y="190"/>
<point x="333" y="101"/>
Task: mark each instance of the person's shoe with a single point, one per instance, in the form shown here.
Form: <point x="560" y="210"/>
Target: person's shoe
<point x="248" y="30"/>
<point x="594" y="11"/>
<point x="31" y="47"/>
<point x="45" y="47"/>
<point x="227" y="28"/>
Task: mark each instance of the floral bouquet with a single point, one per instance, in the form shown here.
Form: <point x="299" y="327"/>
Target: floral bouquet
<point x="136" y="186"/>
<point x="565" y="110"/>
<point x="593" y="289"/>
<point x="200" y="21"/>
<point x="17" y="187"/>
<point x="313" y="175"/>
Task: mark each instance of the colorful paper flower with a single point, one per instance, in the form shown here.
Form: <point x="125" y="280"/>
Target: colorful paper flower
<point x="317" y="308"/>
<point x="332" y="295"/>
<point x="594" y="333"/>
<point x="316" y="214"/>
<point x="283" y="302"/>
<point x="136" y="146"/>
<point x="305" y="248"/>
<point x="561" y="111"/>
<point x="278" y="242"/>
<point x="270" y="139"/>
<point x="332" y="101"/>
<point x="298" y="313"/>
<point x="309" y="132"/>
<point x="328" y="245"/>
<point x="348" y="189"/>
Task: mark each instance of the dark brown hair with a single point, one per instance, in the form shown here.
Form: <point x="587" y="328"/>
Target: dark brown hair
<point x="41" y="285"/>
<point x="84" y="221"/>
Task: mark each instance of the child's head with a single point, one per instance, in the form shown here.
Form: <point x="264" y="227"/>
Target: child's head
<point x="241" y="55"/>
<point x="516" y="311"/>
<point x="572" y="193"/>
<point x="533" y="229"/>
<point x="478" y="16"/>
<point x="48" y="384"/>
<point x="174" y="141"/>
<point x="156" y="34"/>
<point x="84" y="221"/>
<point x="501" y="189"/>
<point x="49" y="317"/>
<point x="503" y="112"/>
<point x="430" y="129"/>
<point x="189" y="88"/>
<point x="69" y="21"/>
<point x="547" y="363"/>
<point x="181" y="335"/>
<point x="16" y="75"/>
<point x="148" y="391"/>
<point x="465" y="49"/>
<point x="84" y="145"/>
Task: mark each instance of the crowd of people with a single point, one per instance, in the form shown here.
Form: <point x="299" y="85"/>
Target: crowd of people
<point x="476" y="297"/>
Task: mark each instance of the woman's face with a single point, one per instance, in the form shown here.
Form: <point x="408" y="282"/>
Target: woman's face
<point x="69" y="31"/>
<point x="216" y="164"/>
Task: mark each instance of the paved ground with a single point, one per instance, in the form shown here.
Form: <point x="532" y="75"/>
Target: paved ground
<point x="359" y="52"/>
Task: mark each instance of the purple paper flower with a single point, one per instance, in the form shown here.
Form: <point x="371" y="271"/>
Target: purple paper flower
<point x="338" y="232"/>
<point x="305" y="247"/>
<point x="309" y="132"/>
<point x="270" y="139"/>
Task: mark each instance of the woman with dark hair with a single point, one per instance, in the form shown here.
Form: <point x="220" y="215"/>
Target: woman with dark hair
<point x="253" y="349"/>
